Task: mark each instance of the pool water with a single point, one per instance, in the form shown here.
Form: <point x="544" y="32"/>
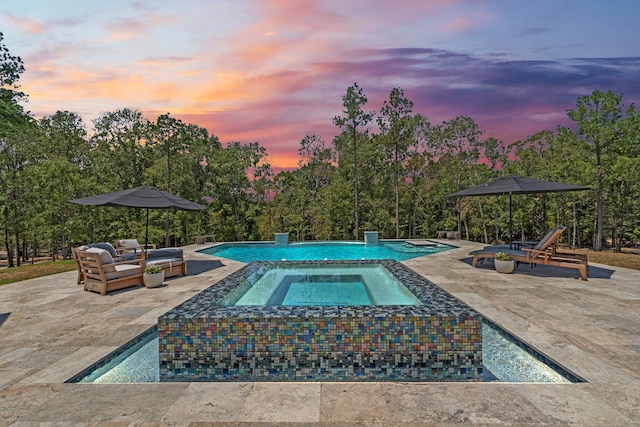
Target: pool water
<point x="258" y="251"/>
<point x="505" y="360"/>
<point x="344" y="285"/>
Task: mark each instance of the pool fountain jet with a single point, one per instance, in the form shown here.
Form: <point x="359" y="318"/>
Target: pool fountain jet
<point x="371" y="237"/>
<point x="281" y="238"/>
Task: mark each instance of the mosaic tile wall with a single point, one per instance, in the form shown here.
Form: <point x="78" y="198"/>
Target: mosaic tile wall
<point x="440" y="340"/>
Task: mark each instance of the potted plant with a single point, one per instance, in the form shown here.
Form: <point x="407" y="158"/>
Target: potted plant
<point x="504" y="263"/>
<point x="153" y="276"/>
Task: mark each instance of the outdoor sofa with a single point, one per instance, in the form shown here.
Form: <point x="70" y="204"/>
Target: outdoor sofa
<point x="170" y="259"/>
<point x="114" y="264"/>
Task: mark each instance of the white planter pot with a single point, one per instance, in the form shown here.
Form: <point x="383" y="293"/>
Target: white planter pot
<point x="504" y="266"/>
<point x="153" y="280"/>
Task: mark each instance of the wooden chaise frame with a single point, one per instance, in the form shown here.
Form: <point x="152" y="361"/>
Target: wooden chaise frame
<point x="543" y="253"/>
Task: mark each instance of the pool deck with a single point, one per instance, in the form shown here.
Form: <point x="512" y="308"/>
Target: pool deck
<point x="50" y="329"/>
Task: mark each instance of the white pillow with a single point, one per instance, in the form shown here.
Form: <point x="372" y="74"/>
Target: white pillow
<point x="105" y="256"/>
<point x="129" y="244"/>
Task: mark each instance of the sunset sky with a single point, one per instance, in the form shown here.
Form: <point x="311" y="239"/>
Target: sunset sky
<point x="274" y="71"/>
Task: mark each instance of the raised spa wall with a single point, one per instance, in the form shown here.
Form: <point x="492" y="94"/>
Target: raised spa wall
<point x="439" y="340"/>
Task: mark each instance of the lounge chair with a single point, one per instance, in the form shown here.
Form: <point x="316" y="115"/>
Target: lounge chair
<point x="102" y="274"/>
<point x="542" y="253"/>
<point x="132" y="249"/>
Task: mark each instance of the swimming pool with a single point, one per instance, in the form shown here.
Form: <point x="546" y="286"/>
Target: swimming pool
<point x="316" y="285"/>
<point x="309" y="251"/>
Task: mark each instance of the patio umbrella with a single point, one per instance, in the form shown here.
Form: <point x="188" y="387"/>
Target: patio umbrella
<point x="145" y="197"/>
<point x="516" y="185"/>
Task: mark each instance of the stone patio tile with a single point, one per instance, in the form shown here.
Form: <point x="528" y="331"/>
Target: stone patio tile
<point x="209" y="402"/>
<point x="282" y="403"/>
<point x="18" y="400"/>
<point x="106" y="402"/>
<point x="355" y="403"/>
<point x="573" y="404"/>
<point x="456" y="403"/>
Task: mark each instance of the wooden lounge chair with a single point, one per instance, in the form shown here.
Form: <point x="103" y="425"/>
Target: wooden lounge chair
<point x="102" y="274"/>
<point x="131" y="248"/>
<point x="542" y="253"/>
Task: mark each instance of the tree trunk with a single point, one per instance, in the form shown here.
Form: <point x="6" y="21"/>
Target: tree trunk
<point x="597" y="244"/>
<point x="397" y="188"/>
<point x="485" y="231"/>
<point x="17" y="240"/>
<point x="575" y="226"/>
<point x="7" y="244"/>
<point x="355" y="183"/>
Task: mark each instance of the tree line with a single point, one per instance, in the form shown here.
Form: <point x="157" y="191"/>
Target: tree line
<point x="387" y="170"/>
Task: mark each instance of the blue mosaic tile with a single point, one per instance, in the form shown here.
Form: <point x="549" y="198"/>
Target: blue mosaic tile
<point x="440" y="340"/>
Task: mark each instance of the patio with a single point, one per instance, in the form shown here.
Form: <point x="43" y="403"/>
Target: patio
<point x="50" y="329"/>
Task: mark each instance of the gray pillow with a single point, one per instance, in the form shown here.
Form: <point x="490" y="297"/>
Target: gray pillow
<point x="165" y="253"/>
<point x="105" y="257"/>
<point x="107" y="247"/>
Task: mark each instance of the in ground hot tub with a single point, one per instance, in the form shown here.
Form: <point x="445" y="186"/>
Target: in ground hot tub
<point x="321" y="321"/>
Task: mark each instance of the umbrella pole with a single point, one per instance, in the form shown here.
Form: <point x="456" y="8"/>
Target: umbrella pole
<point x="146" y="236"/>
<point x="510" y="222"/>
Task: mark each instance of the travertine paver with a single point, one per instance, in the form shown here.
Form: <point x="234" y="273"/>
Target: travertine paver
<point x="51" y="329"/>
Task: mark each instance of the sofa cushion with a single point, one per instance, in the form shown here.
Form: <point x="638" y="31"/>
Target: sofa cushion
<point x="105" y="256"/>
<point x="167" y="253"/>
<point x="162" y="261"/>
<point x="124" y="270"/>
<point x="128" y="256"/>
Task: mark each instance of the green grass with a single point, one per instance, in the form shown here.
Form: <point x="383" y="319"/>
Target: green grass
<point x="608" y="257"/>
<point x="29" y="271"/>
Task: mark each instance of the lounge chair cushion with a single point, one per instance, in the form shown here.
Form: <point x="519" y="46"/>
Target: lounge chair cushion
<point x="547" y="236"/>
<point x="105" y="256"/>
<point x="165" y="253"/>
<point x="499" y="248"/>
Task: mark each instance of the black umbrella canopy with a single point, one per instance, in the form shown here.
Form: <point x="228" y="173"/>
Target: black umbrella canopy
<point x="140" y="197"/>
<point x="516" y="185"/>
<point x="145" y="197"/>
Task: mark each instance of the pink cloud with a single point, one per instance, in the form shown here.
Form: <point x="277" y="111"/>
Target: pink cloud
<point x="280" y="73"/>
<point x="26" y="24"/>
